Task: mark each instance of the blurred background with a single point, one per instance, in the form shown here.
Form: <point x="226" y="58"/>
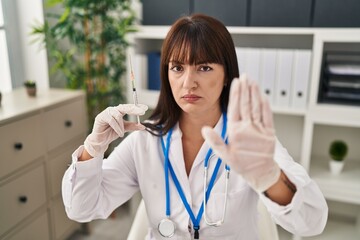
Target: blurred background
<point x="62" y="62"/>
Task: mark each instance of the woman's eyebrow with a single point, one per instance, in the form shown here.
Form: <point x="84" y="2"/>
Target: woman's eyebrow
<point x="175" y="62"/>
<point x="203" y="62"/>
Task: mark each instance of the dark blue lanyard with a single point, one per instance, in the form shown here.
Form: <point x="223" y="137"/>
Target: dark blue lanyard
<point x="168" y="167"/>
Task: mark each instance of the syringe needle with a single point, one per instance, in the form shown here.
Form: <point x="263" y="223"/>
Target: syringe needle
<point x="134" y="88"/>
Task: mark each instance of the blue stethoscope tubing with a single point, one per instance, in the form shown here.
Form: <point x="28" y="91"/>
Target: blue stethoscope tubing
<point x="168" y="168"/>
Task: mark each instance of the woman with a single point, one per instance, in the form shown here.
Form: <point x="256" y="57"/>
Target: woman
<point x="201" y="111"/>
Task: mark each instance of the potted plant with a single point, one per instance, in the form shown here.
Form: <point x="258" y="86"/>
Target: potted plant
<point x="338" y="151"/>
<point x="30" y="88"/>
<point x="86" y="42"/>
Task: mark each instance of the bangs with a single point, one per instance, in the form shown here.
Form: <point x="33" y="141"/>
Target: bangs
<point x="192" y="46"/>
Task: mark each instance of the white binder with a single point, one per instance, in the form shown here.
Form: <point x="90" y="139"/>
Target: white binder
<point x="301" y="78"/>
<point x="252" y="65"/>
<point x="268" y="73"/>
<point x="284" y="77"/>
<point x="241" y="58"/>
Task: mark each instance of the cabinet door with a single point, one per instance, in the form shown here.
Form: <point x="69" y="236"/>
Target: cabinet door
<point x="230" y="12"/>
<point x="164" y="12"/>
<point x="58" y="165"/>
<point x="280" y="13"/>
<point x="21" y="197"/>
<point x="64" y="123"/>
<point x="337" y="13"/>
<point x="21" y="142"/>
<point x="37" y="229"/>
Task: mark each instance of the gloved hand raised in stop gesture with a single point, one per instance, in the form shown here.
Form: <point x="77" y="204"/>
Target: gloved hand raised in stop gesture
<point x="251" y="136"/>
<point x="109" y="125"/>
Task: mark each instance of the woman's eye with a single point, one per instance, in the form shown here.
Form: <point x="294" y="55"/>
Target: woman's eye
<point x="176" y="68"/>
<point x="205" y="68"/>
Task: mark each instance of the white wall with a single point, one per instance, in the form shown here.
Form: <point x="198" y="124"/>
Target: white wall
<point x="35" y="63"/>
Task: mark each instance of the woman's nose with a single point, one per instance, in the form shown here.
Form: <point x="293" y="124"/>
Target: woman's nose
<point x="190" y="80"/>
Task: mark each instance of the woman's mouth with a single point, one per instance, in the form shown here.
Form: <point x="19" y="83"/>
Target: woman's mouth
<point x="191" y="98"/>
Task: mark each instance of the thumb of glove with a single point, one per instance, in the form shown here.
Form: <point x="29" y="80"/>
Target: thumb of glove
<point x="215" y="141"/>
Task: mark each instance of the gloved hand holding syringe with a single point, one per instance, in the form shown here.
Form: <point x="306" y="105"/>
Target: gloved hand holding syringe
<point x="110" y="125"/>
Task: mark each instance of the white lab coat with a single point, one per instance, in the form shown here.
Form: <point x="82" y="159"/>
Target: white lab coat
<point x="93" y="189"/>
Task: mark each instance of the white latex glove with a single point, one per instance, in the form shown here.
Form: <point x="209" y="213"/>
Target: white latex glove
<point x="251" y="136"/>
<point x="109" y="125"/>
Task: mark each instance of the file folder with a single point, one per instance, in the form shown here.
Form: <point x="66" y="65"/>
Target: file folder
<point x="301" y="78"/>
<point x="252" y="64"/>
<point x="340" y="78"/>
<point x="241" y="58"/>
<point x="284" y="77"/>
<point x="153" y="70"/>
<point x="268" y="73"/>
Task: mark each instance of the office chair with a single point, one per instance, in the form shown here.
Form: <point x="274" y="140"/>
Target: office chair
<point x="267" y="228"/>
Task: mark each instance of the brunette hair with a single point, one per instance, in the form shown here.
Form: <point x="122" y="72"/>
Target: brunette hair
<point x="192" y="39"/>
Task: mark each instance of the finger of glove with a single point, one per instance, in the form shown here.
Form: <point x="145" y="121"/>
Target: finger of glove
<point x="244" y="98"/>
<point x="116" y="121"/>
<point x="255" y="99"/>
<point x="215" y="141"/>
<point x="131" y="126"/>
<point x="267" y="117"/>
<point x="234" y="101"/>
<point x="132" y="109"/>
<point x="102" y="120"/>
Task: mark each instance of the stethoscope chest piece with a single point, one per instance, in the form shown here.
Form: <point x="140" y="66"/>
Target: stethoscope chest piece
<point x="166" y="228"/>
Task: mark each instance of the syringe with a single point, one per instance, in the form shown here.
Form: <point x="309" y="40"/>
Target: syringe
<point x="135" y="98"/>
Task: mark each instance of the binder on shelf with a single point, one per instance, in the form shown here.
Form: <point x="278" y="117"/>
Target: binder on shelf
<point x="283" y="77"/>
<point x="252" y="64"/>
<point x="268" y="73"/>
<point x="241" y="58"/>
<point x="340" y="78"/>
<point x="153" y="70"/>
<point x="301" y="78"/>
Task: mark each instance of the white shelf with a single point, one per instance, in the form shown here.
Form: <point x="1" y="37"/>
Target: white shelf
<point x="151" y="32"/>
<point x="159" y="32"/>
<point x="340" y="115"/>
<point x="288" y="111"/>
<point x="344" y="187"/>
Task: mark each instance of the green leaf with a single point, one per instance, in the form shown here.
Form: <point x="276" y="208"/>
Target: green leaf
<point x="52" y="3"/>
<point x="65" y="15"/>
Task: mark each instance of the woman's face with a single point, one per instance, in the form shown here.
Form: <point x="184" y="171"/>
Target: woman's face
<point x="197" y="88"/>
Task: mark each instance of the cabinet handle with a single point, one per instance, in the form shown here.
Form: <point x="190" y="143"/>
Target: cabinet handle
<point x="267" y="91"/>
<point x="68" y="123"/>
<point x="18" y="146"/>
<point x="283" y="93"/>
<point x="23" y="199"/>
<point x="299" y="94"/>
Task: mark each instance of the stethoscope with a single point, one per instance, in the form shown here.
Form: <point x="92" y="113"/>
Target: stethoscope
<point x="166" y="227"/>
